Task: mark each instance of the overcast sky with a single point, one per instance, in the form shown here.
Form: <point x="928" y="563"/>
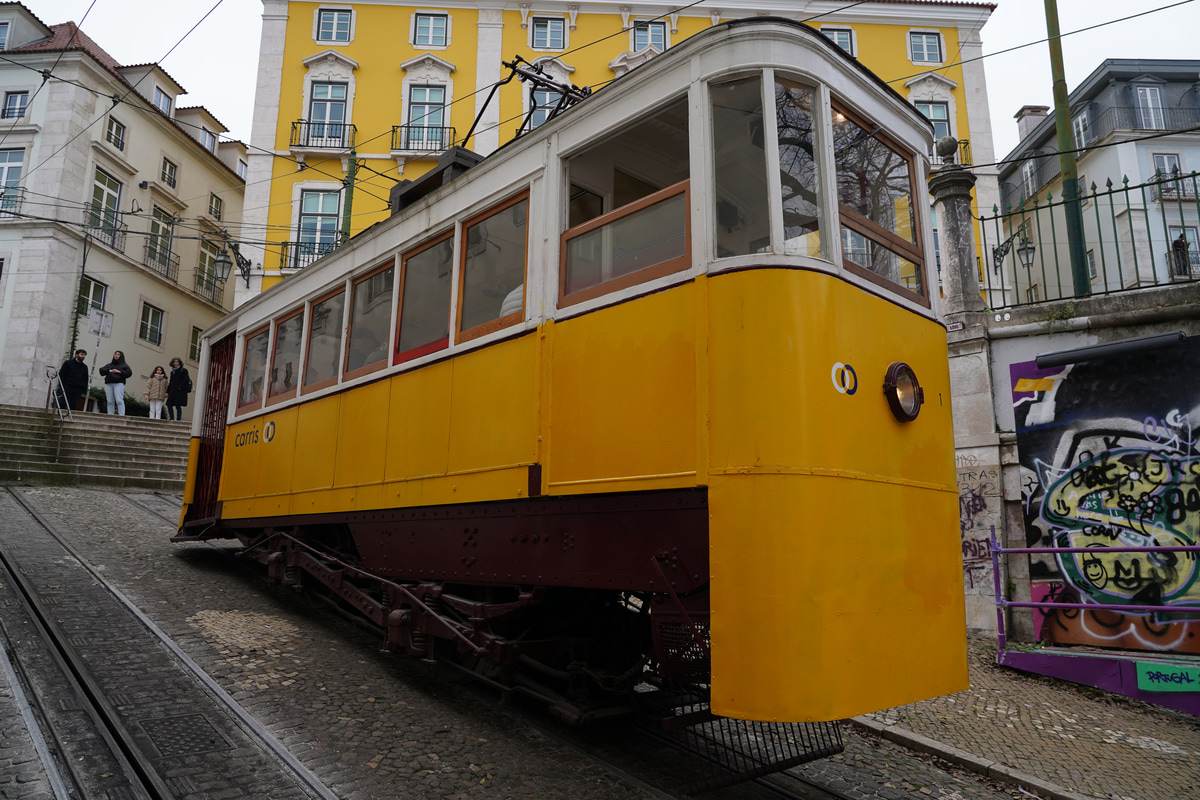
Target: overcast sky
<point x="217" y="62"/>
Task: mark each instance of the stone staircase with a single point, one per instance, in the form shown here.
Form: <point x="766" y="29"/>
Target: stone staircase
<point x="96" y="450"/>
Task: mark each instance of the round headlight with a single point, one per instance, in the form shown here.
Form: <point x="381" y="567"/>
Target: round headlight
<point x="904" y="393"/>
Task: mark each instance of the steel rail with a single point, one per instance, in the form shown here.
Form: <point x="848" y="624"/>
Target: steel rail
<point x="252" y="726"/>
<point x="138" y="770"/>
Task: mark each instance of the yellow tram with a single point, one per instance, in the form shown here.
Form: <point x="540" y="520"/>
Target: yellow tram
<point x="661" y="382"/>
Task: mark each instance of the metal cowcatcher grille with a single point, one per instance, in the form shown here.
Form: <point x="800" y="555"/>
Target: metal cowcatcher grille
<point x="724" y="751"/>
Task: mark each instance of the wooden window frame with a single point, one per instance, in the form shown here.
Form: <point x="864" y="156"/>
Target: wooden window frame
<point x="509" y="319"/>
<point x="294" y="391"/>
<point x="324" y="383"/>
<point x="374" y="366"/>
<point x="671" y="266"/>
<point x="239" y="407"/>
<point x="398" y="357"/>
<point x="879" y="235"/>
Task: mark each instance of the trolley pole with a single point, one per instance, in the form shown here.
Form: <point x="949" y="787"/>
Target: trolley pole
<point x="1066" y="157"/>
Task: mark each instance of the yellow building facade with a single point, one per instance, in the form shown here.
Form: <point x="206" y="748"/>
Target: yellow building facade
<point x="353" y="98"/>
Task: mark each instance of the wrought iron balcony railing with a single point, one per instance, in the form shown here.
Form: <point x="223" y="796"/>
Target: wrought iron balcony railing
<point x="106" y="226"/>
<point x="333" y="135"/>
<point x="298" y="255"/>
<point x="11" y="200"/>
<point x="158" y="257"/>
<point x="208" y="288"/>
<point x="963" y="156"/>
<point x="430" y="138"/>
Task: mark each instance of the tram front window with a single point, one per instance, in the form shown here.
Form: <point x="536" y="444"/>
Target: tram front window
<point x="798" y="180"/>
<point x="740" y="168"/>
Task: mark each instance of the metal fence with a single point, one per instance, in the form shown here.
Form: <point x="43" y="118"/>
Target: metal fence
<point x="298" y="255"/>
<point x="1134" y="237"/>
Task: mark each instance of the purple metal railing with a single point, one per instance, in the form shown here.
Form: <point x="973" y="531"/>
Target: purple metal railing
<point x="1002" y="603"/>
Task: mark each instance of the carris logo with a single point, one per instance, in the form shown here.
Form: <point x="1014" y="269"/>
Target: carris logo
<point x="845" y="379"/>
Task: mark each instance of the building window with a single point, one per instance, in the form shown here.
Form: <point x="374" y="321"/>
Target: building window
<point x="425" y="107"/>
<point x="318" y="232"/>
<point x="1166" y="164"/>
<point x="842" y="37"/>
<point x="11" y="162"/>
<point x="194" y="345"/>
<point x="1091" y="258"/>
<point x="206" y="270"/>
<point x="1150" y="110"/>
<point x="215" y="206"/>
<point x="939" y="115"/>
<point x="1184" y="254"/>
<point x="114" y="134"/>
<point x="3" y="35"/>
<point x="926" y="47"/>
<point x="169" y="173"/>
<point x="162" y="101"/>
<point x="431" y="30"/>
<point x="544" y="101"/>
<point x="333" y="26"/>
<point x="549" y="33"/>
<point x="14" y="104"/>
<point x="151" y="329"/>
<point x="208" y="139"/>
<point x="1032" y="294"/>
<point x="327" y="111"/>
<point x="1082" y="133"/>
<point x="106" y="200"/>
<point x="649" y="34"/>
<point x="92" y="294"/>
<point x="1029" y="183"/>
<point x="158" y="245"/>
<point x="242" y="169"/>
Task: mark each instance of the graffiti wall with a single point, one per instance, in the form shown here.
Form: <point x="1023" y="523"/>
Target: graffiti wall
<point x="979" y="505"/>
<point x="1110" y="460"/>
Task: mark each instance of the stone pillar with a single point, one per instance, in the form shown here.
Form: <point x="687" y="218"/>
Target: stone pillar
<point x="951" y="190"/>
<point x="976" y="439"/>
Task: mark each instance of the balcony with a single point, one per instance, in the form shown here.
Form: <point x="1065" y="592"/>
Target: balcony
<point x="963" y="156"/>
<point x="106" y="226"/>
<point x="208" y="288"/>
<point x="11" y="200"/>
<point x="159" y="258"/>
<point x="422" y="138"/>
<point x="1118" y="118"/>
<point x="322" y="135"/>
<point x="1182" y="270"/>
<point x="298" y="255"/>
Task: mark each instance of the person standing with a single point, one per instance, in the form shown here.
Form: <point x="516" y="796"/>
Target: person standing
<point x="1181" y="255"/>
<point x="74" y="376"/>
<point x="156" y="392"/>
<point x="178" y="387"/>
<point x="115" y="373"/>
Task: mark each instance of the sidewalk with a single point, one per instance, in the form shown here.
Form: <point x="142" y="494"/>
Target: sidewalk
<point x="1053" y="739"/>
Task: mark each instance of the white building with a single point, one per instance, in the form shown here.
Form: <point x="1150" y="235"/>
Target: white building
<point x="113" y="198"/>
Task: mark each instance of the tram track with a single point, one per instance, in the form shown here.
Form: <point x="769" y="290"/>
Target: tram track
<point x="129" y="767"/>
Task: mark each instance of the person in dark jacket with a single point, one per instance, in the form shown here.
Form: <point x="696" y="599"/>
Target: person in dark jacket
<point x="115" y="373"/>
<point x="177" y="389"/>
<point x="74" y="376"/>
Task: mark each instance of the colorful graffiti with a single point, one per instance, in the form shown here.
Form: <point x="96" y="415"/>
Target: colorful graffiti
<point x="1110" y="461"/>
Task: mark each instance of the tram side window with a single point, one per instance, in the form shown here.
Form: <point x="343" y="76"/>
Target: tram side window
<point x="254" y="371"/>
<point x="493" y="269"/>
<point x="641" y="176"/>
<point x="875" y="203"/>
<point x="798" y="178"/>
<point x="324" y="342"/>
<point x="742" y="221"/>
<point x="370" y="321"/>
<point x="285" y="360"/>
<point x="425" y="300"/>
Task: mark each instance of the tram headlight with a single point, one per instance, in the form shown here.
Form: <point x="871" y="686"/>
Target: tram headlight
<point x="904" y="393"/>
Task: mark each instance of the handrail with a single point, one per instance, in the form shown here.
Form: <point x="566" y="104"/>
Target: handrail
<point x="54" y="391"/>
<point x="1003" y="603"/>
